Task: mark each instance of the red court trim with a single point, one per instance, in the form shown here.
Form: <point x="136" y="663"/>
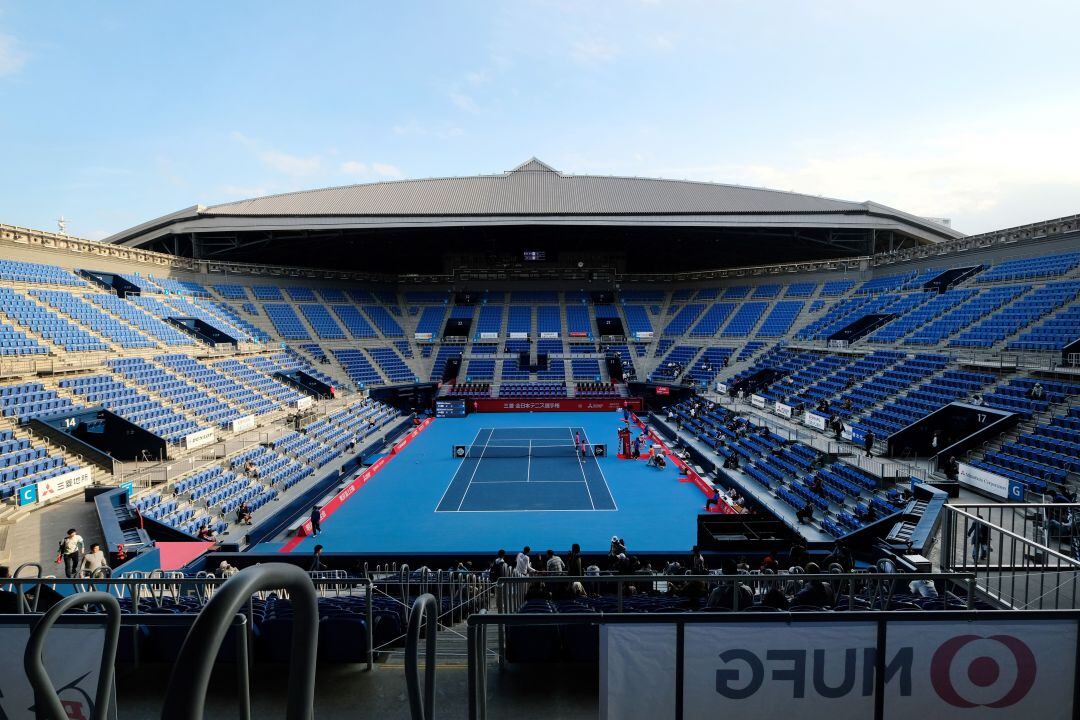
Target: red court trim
<point x="346" y="492"/>
<point x="691" y="475"/>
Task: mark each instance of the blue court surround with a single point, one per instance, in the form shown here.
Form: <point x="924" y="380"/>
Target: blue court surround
<point x="511" y="502"/>
<point x="490" y="483"/>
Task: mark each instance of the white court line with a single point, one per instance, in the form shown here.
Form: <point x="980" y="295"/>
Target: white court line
<point x="528" y="465"/>
<point x="581" y="467"/>
<point x="455" y="473"/>
<point x="478" y="463"/>
<point x="602" y="475"/>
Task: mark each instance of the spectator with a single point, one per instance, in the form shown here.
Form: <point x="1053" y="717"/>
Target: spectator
<point x="498" y="567"/>
<point x="840" y="556"/>
<point x="730" y="595"/>
<point x="523" y="564"/>
<point x="977" y="399"/>
<point x="697" y="562"/>
<point x="814" y="592"/>
<point x="775" y="598"/>
<point x="316" y="520"/>
<point x="714" y="500"/>
<point x="317" y="564"/>
<point x="69" y="552"/>
<point x="868" y="443"/>
<point x="1037" y="392"/>
<point x="243" y="514"/>
<point x="923" y="588"/>
<point x="206" y="533"/>
<point x="979" y="532"/>
<point x="806" y="513"/>
<point x="952" y="469"/>
<point x="618" y="547"/>
<point x="797" y="556"/>
<point x="226" y="570"/>
<point x="554" y="563"/>
<point x="93" y="561"/>
<point x="573" y="561"/>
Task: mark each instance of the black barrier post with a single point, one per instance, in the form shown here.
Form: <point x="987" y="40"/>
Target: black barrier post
<point x="425" y="612"/>
<point x="185" y="697"/>
<point x="44" y="692"/>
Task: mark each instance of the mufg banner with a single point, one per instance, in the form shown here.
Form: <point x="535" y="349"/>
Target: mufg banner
<point x="1022" y="669"/>
<point x="72" y="658"/>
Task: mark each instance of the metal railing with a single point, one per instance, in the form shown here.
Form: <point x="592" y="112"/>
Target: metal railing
<point x="424" y="616"/>
<point x="1009" y="547"/>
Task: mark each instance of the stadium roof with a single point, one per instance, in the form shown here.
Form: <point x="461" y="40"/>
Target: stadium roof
<point x="529" y="194"/>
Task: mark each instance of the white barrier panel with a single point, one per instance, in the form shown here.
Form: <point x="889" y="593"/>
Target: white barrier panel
<point x="757" y="401"/>
<point x="644" y="334"/>
<point x="782" y="410"/>
<point x="422" y="336"/>
<point x="987" y="482"/>
<point x="766" y="670"/>
<point x="489" y="336"/>
<point x="637" y="672"/>
<point x="1023" y="669"/>
<point x="549" y="335"/>
<point x="303" y="403"/>
<point x="72" y="657"/>
<point x="519" y="336"/>
<point x="242" y="423"/>
<point x="60" y="485"/>
<point x="199" y="438"/>
<point x="814" y="420"/>
<point x="721" y="388"/>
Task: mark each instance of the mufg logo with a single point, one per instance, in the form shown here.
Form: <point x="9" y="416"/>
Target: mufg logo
<point x="965" y="671"/>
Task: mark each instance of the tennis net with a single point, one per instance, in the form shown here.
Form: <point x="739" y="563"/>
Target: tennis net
<point x="568" y="450"/>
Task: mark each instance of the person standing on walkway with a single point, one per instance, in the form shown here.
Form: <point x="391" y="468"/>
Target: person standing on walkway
<point x="70" y="551"/>
<point x="316" y="520"/>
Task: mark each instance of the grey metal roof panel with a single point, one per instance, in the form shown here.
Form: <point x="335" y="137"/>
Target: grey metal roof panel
<point x="534" y="189"/>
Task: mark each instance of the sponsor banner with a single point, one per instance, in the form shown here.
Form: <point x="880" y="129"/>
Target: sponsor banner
<point x="519" y="336"/>
<point x="422" y="336"/>
<point x="782" y="410"/>
<point x="573" y="333"/>
<point x="242" y="423"/>
<point x="637" y="678"/>
<point x="663" y="390"/>
<point x="760" y="670"/>
<point x="198" y="438"/>
<point x="1019" y="669"/>
<point x="129" y="486"/>
<point x="856" y="434"/>
<point x="554" y="405"/>
<point x="60" y="485"/>
<point x="303" y="403"/>
<point x="644" y="334"/>
<point x="489" y="336"/>
<point x="722" y="388"/>
<point x="349" y="490"/>
<point x="27" y="495"/>
<point x="72" y="657"/>
<point x="990" y="483"/>
<point x="549" y="335"/>
<point x="757" y="401"/>
<point x="812" y="419"/>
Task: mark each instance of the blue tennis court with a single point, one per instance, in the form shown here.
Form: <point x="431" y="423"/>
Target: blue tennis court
<point x="427" y="500"/>
<point x="528" y="468"/>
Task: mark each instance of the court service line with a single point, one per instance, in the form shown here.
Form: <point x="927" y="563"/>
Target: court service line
<point x="452" y="477"/>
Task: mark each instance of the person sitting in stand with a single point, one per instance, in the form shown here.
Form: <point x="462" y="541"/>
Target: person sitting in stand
<point x="243" y="514"/>
<point x="731" y="462"/>
<point x="714" y="500"/>
<point x="806" y="513"/>
<point x="1037" y="392"/>
<point x="206" y="533"/>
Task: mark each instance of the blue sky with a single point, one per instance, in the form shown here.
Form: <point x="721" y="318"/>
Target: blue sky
<point x="114" y="113"/>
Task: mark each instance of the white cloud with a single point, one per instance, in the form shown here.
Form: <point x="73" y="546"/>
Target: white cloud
<point x="463" y="101"/>
<point x="592" y="51"/>
<point x="12" y="58"/>
<point x="967" y="169"/>
<point x="384" y="170"/>
<point x="478" y="78"/>
<point x="352" y="167"/>
<point x="413" y="128"/>
<point x="282" y="162"/>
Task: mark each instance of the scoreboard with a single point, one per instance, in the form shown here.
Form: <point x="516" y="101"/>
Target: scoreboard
<point x="450" y="408"/>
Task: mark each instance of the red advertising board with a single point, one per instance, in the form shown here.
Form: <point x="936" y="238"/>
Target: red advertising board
<point x="554" y="404"/>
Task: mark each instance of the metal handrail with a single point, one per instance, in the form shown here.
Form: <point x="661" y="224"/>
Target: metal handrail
<point x="34" y="664"/>
<point x="185" y="698"/>
<point x="425" y="613"/>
